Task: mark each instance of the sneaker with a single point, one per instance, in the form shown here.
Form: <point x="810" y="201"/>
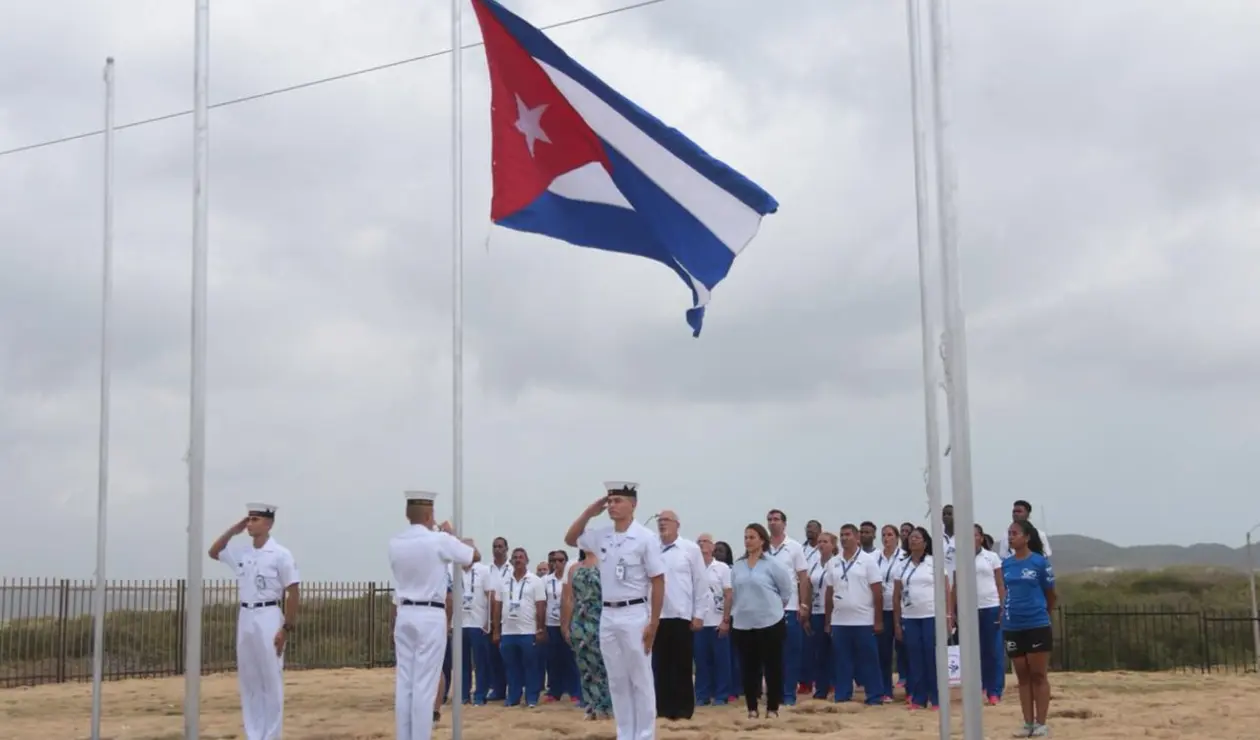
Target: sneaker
<point x="1025" y="731"/>
<point x="1039" y="731"/>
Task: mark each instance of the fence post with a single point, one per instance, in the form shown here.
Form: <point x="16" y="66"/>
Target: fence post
<point x="63" y="615"/>
<point x="1067" y="643"/>
<point x="181" y="592"/>
<point x="1203" y="642"/>
<point x="371" y="625"/>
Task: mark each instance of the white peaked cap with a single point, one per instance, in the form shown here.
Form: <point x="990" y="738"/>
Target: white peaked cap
<point x="264" y="508"/>
<point x="425" y="496"/>
<point x="613" y="486"/>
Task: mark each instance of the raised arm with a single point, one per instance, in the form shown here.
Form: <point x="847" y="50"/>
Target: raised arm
<point x="578" y="526"/>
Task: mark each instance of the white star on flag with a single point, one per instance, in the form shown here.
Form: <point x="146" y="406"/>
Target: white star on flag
<point x="529" y="123"/>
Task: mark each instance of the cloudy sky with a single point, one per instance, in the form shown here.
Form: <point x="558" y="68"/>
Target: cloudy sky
<point x="1108" y="176"/>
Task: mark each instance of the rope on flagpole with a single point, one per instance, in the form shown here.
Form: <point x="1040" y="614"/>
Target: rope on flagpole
<point x="315" y="83"/>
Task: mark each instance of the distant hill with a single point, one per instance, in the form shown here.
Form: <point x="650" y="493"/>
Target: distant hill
<point x="1074" y="553"/>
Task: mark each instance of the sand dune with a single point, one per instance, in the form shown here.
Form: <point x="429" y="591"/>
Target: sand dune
<point x="358" y="704"/>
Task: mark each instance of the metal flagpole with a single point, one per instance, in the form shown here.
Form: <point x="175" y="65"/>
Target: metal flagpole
<point x="932" y="424"/>
<point x="956" y="386"/>
<point x="457" y="356"/>
<point x="197" y="402"/>
<point x="102" y="480"/>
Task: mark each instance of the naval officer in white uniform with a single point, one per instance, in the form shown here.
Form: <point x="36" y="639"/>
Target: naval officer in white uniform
<point x="632" y="577"/>
<point x="420" y="558"/>
<point x="265" y="574"/>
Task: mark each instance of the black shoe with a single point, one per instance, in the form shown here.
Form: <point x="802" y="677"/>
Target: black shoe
<point x="437" y="716"/>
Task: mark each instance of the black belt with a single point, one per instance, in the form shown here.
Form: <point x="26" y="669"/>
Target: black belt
<point x="619" y="604"/>
<point x="259" y="604"/>
<point x="434" y="604"/>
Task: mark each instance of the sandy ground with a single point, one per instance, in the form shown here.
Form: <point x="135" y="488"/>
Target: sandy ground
<point x="358" y="704"/>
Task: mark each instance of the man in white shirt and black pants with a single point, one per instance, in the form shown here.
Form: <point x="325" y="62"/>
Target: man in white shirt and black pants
<point x="682" y="614"/>
<point x="420" y="560"/>
<point x="632" y="578"/>
<point x="266" y="574"/>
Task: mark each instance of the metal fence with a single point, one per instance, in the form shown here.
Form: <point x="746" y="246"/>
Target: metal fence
<point x="46" y="632"/>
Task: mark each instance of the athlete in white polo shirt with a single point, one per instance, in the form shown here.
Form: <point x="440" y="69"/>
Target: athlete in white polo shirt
<point x="789" y="553"/>
<point x="632" y="578"/>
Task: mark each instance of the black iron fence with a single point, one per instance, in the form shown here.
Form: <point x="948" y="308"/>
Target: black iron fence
<point x="46" y="632"/>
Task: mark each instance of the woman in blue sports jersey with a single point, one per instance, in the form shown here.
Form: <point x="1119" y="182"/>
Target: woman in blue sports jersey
<point x="1029" y="580"/>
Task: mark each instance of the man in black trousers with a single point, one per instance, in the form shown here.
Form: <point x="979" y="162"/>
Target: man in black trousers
<point x="681" y="615"/>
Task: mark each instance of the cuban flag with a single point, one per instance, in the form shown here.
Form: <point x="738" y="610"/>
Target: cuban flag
<point x="576" y="161"/>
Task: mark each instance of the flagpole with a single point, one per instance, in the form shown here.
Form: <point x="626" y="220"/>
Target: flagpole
<point x="930" y="405"/>
<point x="197" y="401"/>
<point x="956" y="385"/>
<point x="457" y="357"/>
<point x="102" y="479"/>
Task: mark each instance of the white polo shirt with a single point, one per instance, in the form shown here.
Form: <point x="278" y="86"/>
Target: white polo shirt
<point x="987" y="564"/>
<point x="262" y="573"/>
<point x="686" y="595"/>
<point x="627" y="560"/>
<point x="420" y="561"/>
<point x="717" y="577"/>
<point x="553" y="587"/>
<point x="950" y="548"/>
<point x="790" y="555"/>
<point x="811" y="553"/>
<point x="889" y="567"/>
<point x="818" y="584"/>
<point x="918" y="597"/>
<point x="498" y="574"/>
<point x="851" y="579"/>
<point x="478" y="586"/>
<point x="520" y="599"/>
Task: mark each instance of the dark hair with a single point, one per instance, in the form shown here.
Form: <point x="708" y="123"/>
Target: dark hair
<point x="927" y="540"/>
<point x="581" y="554"/>
<point x="722" y="552"/>
<point x="497" y="540"/>
<point x="522" y="551"/>
<point x="811" y="521"/>
<point x="781" y="515"/>
<point x="849" y="527"/>
<point x="871" y="525"/>
<point x="762" y="534"/>
<point x="1034" y="537"/>
<point x="1023" y="503"/>
<point x="988" y="542"/>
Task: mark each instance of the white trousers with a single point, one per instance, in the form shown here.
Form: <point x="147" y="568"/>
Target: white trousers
<point x="629" y="669"/>
<point x="260" y="672"/>
<point x="419" y="646"/>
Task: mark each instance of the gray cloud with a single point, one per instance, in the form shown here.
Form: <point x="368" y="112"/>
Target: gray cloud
<point x="1107" y="175"/>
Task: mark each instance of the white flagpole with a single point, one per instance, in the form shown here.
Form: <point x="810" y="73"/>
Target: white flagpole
<point x="457" y="357"/>
<point x="956" y="386"/>
<point x="932" y="424"/>
<point x="197" y="405"/>
<point x="102" y="479"/>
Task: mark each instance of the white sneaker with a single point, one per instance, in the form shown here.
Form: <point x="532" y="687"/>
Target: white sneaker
<point x="1025" y="731"/>
<point x="1040" y="731"/>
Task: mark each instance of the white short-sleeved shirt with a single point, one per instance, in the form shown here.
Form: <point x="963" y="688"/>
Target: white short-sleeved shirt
<point x="918" y="596"/>
<point x="420" y="561"/>
<point x="791" y="556"/>
<point x="810" y="553"/>
<point x="553" y="587"/>
<point x="475" y="600"/>
<point x="499" y="574"/>
<point x="889" y="567"/>
<point x="851" y="579"/>
<point x="262" y="573"/>
<point x="987" y="563"/>
<point x="627" y="560"/>
<point x="818" y="584"/>
<point x="717" y="576"/>
<point x="950" y="547"/>
<point x="520" y="599"/>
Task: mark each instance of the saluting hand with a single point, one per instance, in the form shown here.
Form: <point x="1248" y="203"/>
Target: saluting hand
<point x="240" y="526"/>
<point x="598" y="507"/>
<point x="446" y="527"/>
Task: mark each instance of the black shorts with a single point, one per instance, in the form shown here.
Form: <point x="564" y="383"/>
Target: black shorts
<point x="1024" y="642"/>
